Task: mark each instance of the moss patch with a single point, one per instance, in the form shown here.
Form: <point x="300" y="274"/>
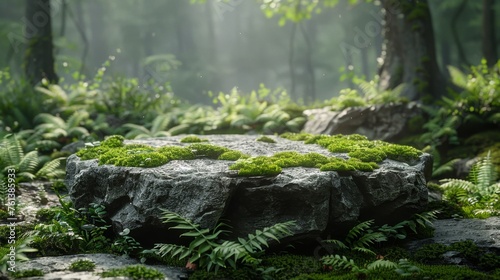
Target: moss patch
<point x="192" y="139"/>
<point x="358" y="146"/>
<point x="266" y="139"/>
<point x="363" y="154"/>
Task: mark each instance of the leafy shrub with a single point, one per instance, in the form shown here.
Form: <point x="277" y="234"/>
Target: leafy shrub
<point x="210" y="252"/>
<point x="82" y="265"/>
<point x="430" y="253"/>
<point x="135" y="272"/>
<point x="126" y="244"/>
<point x="28" y="166"/>
<point x="480" y="194"/>
<point x="63" y="131"/>
<point x="27" y="273"/>
<point x="476" y="106"/>
<point x="291" y="265"/>
<point x="22" y="246"/>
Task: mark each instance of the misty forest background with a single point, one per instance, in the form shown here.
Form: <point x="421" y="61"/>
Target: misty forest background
<point x="75" y="72"/>
<point x="217" y="45"/>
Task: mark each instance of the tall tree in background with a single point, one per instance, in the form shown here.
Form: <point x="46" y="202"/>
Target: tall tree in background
<point x="488" y="36"/>
<point x="408" y="53"/>
<point x="39" y="57"/>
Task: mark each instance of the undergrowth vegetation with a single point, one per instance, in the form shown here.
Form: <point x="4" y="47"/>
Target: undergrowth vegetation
<point x="43" y="125"/>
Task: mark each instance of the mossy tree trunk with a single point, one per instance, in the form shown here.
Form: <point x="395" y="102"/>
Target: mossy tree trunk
<point x="489" y="35"/>
<point x="39" y="56"/>
<point x="408" y="53"/>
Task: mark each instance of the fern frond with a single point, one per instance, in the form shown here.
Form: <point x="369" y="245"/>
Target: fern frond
<point x="11" y="151"/>
<point x="75" y="119"/>
<point x="364" y="250"/>
<point x="45" y="118"/>
<point x="51" y="170"/>
<point x="445" y="168"/>
<point x="337" y="243"/>
<point x="160" y="123"/>
<point x="78" y="131"/>
<point x="29" y="162"/>
<point x="173" y="250"/>
<point x="368" y="239"/>
<point x="339" y="262"/>
<point x="486" y="173"/>
<point x="26" y="175"/>
<point x="458" y="183"/>
<point x="358" y="230"/>
<point x="381" y="264"/>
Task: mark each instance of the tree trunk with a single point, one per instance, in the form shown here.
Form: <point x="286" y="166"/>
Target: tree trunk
<point x="39" y="56"/>
<point x="409" y="54"/>
<point x="489" y="44"/>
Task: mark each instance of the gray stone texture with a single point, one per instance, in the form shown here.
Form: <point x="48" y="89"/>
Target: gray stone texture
<point x="205" y="191"/>
<point x="383" y="122"/>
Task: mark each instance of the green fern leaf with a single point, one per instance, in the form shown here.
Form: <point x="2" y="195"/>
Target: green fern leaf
<point x="29" y="162"/>
<point x="381" y="264"/>
<point x="76" y="119"/>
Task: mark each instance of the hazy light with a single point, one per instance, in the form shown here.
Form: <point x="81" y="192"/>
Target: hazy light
<point x="65" y="64"/>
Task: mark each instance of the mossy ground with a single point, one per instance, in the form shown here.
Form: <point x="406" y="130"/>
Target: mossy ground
<point x="363" y="154"/>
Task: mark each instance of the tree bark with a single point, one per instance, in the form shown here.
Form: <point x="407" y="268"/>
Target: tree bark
<point x="39" y="56"/>
<point x="454" y="31"/>
<point x="488" y="36"/>
<point x="409" y="54"/>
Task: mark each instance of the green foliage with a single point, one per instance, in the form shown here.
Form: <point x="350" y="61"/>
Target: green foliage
<point x="136" y="272"/>
<point x="159" y="127"/>
<point x="295" y="11"/>
<point x="63" y="131"/>
<point x="261" y="111"/>
<point x="19" y="103"/>
<point x="476" y="105"/>
<point x="444" y="272"/>
<point x="128" y="100"/>
<point x="126" y="244"/>
<point x="481" y="257"/>
<point x="27" y="273"/>
<point x="22" y="246"/>
<point x="210" y="252"/>
<point x="266" y="139"/>
<point x="72" y="230"/>
<point x="360" y="238"/>
<point x="479" y="195"/>
<point x="82" y="265"/>
<point x="291" y="265"/>
<point x="430" y="253"/>
<point x="28" y="166"/>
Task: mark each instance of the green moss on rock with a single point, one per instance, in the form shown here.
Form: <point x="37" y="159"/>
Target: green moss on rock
<point x="192" y="139"/>
<point x="363" y="154"/>
<point x="233" y="155"/>
<point x="113" y="141"/>
<point x="358" y="146"/>
<point x="266" y="139"/>
<point x="207" y="150"/>
<point x="257" y="166"/>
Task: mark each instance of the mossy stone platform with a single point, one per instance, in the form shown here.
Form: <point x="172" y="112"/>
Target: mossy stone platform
<point x="325" y="185"/>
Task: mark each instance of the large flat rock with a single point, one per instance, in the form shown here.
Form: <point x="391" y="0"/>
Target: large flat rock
<point x="205" y="190"/>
